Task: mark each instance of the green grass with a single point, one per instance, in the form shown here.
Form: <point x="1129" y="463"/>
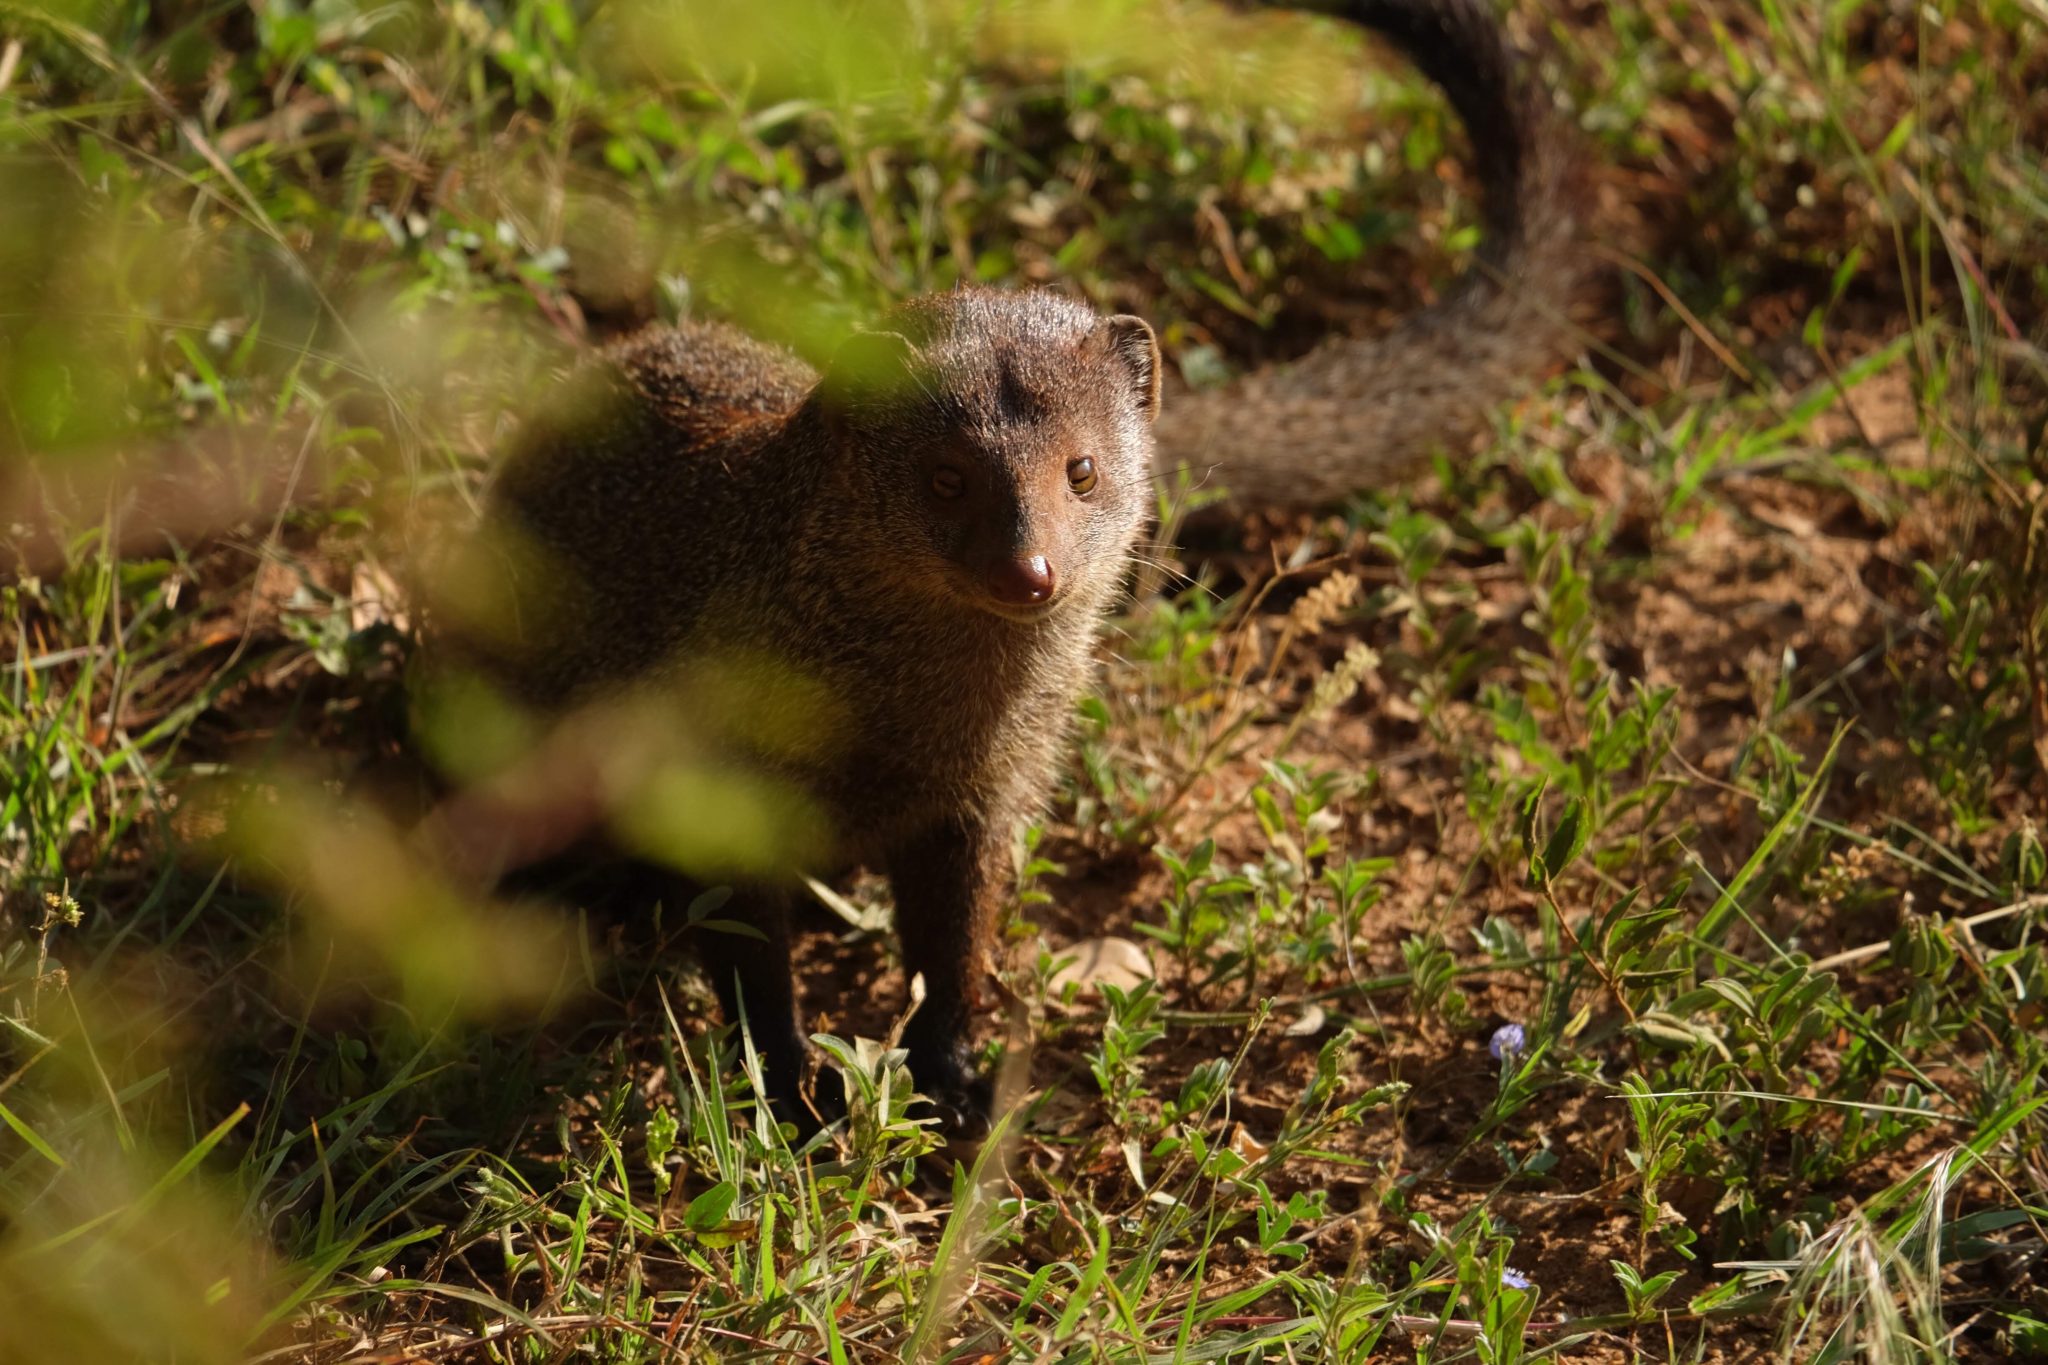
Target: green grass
<point x="1700" y="729"/>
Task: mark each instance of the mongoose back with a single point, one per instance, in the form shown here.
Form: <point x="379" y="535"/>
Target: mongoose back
<point x="869" y="599"/>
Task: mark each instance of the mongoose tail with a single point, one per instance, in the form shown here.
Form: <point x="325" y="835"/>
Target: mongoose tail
<point x="1357" y="413"/>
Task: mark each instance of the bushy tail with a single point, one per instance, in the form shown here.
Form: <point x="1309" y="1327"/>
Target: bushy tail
<point x="1362" y="412"/>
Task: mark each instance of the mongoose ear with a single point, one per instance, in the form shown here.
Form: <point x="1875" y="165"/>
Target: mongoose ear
<point x="868" y="363"/>
<point x="1131" y="341"/>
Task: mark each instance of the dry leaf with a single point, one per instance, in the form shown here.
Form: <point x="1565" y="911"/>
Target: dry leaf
<point x="1095" y="961"/>
<point x="1309" y="1025"/>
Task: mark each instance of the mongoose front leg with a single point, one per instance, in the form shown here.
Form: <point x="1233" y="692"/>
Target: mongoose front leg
<point x="948" y="885"/>
<point x="753" y="980"/>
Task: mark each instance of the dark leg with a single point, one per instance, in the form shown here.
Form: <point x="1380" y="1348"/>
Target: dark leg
<point x="752" y="978"/>
<point x="948" y="886"/>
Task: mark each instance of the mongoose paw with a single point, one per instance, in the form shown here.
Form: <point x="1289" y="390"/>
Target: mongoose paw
<point x="953" y="1091"/>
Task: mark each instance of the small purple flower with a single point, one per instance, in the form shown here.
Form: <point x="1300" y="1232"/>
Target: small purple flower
<point x="1508" y="1042"/>
<point x="1515" y="1279"/>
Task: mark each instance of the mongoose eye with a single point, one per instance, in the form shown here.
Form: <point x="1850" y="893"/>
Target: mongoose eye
<point x="1081" y="475"/>
<point x="948" y="482"/>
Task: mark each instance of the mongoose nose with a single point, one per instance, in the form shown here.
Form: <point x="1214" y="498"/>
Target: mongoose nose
<point x="1021" y="582"/>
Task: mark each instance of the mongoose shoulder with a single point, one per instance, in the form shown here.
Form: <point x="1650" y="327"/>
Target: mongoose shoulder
<point x="873" y="594"/>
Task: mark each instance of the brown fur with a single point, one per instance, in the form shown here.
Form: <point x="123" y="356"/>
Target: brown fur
<point x="714" y="499"/>
<point x="706" y="507"/>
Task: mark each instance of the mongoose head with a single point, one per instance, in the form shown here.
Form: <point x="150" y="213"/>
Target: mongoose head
<point x="998" y="447"/>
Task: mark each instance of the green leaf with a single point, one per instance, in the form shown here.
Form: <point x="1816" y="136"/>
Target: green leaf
<point x="30" y="1136"/>
<point x="1567" y="841"/>
<point x="1681" y="1035"/>
<point x="1084" y="1292"/>
<point x="2029" y="1334"/>
<point x="707" y="1212"/>
<point x="1728" y="904"/>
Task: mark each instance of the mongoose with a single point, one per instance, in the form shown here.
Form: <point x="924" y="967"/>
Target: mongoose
<point x="868" y="600"/>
